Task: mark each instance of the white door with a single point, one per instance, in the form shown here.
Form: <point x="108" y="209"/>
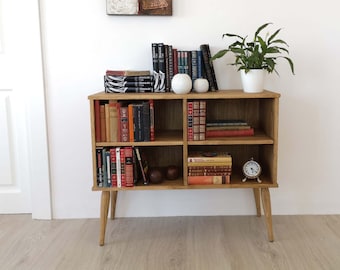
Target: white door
<point x="24" y="174"/>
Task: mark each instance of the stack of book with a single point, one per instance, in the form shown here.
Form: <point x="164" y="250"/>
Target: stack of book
<point x="228" y="128"/>
<point x="196" y="120"/>
<point x="168" y="61"/>
<point x="119" y="167"/>
<point x="125" y="81"/>
<point x="118" y="121"/>
<point x="209" y="168"/>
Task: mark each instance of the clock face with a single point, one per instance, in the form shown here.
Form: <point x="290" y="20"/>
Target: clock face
<point x="251" y="169"/>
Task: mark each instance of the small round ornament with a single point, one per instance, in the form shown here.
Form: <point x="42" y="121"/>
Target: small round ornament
<point x="181" y="83"/>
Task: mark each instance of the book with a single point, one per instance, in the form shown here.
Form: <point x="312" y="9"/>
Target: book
<point x="190" y="115"/>
<point x="226" y="122"/>
<point x="233" y="127"/>
<point x="128" y="153"/>
<point x="97" y="120"/>
<point x="208" y="157"/>
<point x="102" y="122"/>
<point x="124" y="124"/>
<point x="202" y="119"/>
<point x="154" y="47"/>
<point x="208" y="66"/>
<point x="118" y="167"/>
<point x="152" y="119"/>
<point x="99" y="169"/>
<point x="196" y="120"/>
<point x="108" y="177"/>
<point x="146" y="121"/>
<point x="229" y="133"/>
<point x="162" y="67"/>
<point x="143" y="167"/>
<point x="122" y="167"/>
<point x="114" y="126"/>
<point x="113" y="167"/>
<point x="209" y="180"/>
<point x="127" y="72"/>
<point x="212" y="164"/>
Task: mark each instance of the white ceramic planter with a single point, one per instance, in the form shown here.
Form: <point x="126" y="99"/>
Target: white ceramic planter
<point x="253" y="80"/>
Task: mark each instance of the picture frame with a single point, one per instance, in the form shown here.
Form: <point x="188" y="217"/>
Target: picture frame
<point x="139" y="7"/>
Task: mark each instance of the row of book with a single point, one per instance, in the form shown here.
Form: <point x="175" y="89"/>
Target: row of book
<point x="196" y="120"/>
<point x="119" y="121"/>
<point x="168" y="61"/>
<point x="119" y="167"/>
<point x="209" y="168"/>
<point x="228" y="128"/>
<point x="128" y="81"/>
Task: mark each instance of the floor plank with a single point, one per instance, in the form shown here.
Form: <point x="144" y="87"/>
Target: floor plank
<point x="199" y="243"/>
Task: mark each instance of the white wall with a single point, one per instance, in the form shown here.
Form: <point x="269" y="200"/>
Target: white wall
<point x="81" y="42"/>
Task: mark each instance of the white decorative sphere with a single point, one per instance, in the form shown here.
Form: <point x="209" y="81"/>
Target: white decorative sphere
<point x="181" y="83"/>
<point x="201" y="85"/>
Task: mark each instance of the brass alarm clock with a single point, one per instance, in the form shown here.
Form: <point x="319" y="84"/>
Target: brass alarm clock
<point x="251" y="170"/>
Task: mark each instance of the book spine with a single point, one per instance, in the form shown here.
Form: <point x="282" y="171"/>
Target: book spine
<point x="129" y="89"/>
<point x="152" y="120"/>
<point x="107" y="122"/>
<point x="140" y="162"/>
<point x="102" y="123"/>
<point x="127" y="72"/>
<point x="105" y="182"/>
<point x="196" y="119"/>
<point x="99" y="162"/>
<point x="155" y="66"/>
<point x="175" y="60"/>
<point x="167" y="68"/>
<point x="124" y="124"/>
<point x="194" y="66"/>
<point x="131" y="124"/>
<point x="138" y="131"/>
<point x="190" y="106"/>
<point x="162" y="67"/>
<point x="129" y="166"/>
<point x="229" y="133"/>
<point x="108" y="168"/>
<point x="97" y="120"/>
<point x="122" y="167"/>
<point x="211" y="164"/>
<point x="113" y="115"/>
<point x="113" y="167"/>
<point x="208" y="180"/>
<point x="202" y="119"/>
<point x="146" y="120"/>
<point x="208" y="67"/>
<point x="118" y="167"/>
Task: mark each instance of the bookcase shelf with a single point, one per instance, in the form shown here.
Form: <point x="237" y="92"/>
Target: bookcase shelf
<point x="171" y="147"/>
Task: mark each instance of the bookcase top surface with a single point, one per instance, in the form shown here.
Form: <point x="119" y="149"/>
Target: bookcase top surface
<point x="225" y="94"/>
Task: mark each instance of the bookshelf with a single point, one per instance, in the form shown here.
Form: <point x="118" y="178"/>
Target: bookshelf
<point x="171" y="146"/>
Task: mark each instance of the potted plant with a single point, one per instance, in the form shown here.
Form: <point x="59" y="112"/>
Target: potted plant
<point x="257" y="56"/>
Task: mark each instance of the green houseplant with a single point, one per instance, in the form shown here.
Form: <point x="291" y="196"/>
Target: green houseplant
<point x="260" y="54"/>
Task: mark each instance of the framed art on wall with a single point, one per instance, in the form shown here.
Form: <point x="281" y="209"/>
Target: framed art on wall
<point x="139" y="7"/>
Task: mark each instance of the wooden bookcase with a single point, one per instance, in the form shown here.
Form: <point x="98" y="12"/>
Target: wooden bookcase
<point x="171" y="146"/>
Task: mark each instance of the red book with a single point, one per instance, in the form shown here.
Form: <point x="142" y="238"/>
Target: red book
<point x="196" y="119"/>
<point x="128" y="166"/>
<point x="203" y="116"/>
<point x="229" y="133"/>
<point x="122" y="166"/>
<point x="97" y="120"/>
<point x="209" y="180"/>
<point x="124" y="124"/>
<point x="127" y="72"/>
<point x="113" y="167"/>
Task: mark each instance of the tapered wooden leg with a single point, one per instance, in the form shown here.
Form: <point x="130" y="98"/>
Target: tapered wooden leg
<point x="257" y="201"/>
<point x="104" y="210"/>
<point x="113" y="203"/>
<point x="267" y="212"/>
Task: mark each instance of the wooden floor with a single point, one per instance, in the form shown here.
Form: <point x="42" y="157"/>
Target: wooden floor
<point x="301" y="242"/>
